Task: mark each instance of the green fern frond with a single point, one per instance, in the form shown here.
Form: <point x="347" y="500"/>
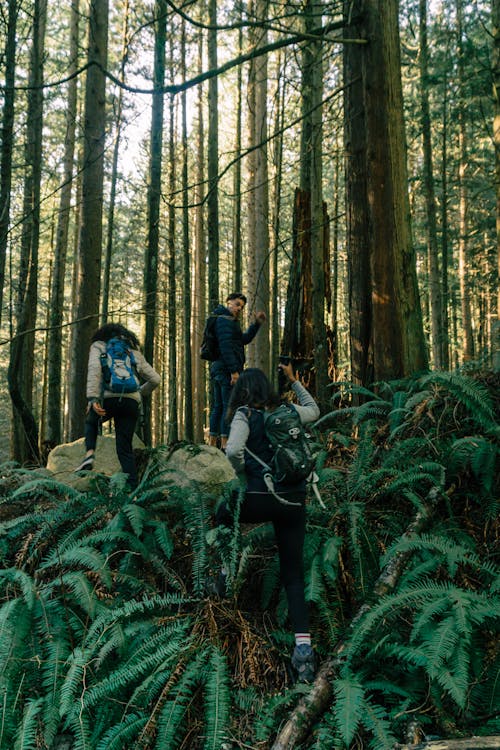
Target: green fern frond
<point x="315" y="587"/>
<point x="469" y="392"/>
<point x="348" y="707"/>
<point x="217" y="701"/>
<point x="197" y="516"/>
<point x="136" y="516"/>
<point x="27" y="730"/>
<point x="477" y="452"/>
<point x="79" y="585"/>
<point x="170" y="727"/>
<point x="417" y="477"/>
<point x="162" y="537"/>
<point x="372" y="410"/>
<point x="375" y="720"/>
<point x="273" y="711"/>
<point x="123" y="734"/>
<point x="74" y="681"/>
<point x="84" y="557"/>
<point x="22" y="580"/>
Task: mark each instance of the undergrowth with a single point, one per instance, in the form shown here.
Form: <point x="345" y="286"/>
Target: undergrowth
<point x="108" y="637"/>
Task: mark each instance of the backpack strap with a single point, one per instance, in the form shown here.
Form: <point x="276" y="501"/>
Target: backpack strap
<point x="268" y="479"/>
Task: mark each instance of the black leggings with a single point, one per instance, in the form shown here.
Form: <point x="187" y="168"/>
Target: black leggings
<point x="289" y="524"/>
<point x="124" y="412"/>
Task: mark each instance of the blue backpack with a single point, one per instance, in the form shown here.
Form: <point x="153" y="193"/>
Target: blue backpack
<point x="118" y="367"/>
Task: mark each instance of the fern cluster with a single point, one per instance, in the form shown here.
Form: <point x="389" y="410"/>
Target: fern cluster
<point x="108" y="636"/>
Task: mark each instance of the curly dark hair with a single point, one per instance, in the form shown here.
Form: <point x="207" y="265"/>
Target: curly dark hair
<point x="112" y="330"/>
<point x="252" y="389"/>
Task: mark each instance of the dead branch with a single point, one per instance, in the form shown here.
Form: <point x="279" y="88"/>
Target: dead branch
<point x="318" y="699"/>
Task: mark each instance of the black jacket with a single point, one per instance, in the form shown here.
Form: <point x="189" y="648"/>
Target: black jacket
<point x="232" y="341"/>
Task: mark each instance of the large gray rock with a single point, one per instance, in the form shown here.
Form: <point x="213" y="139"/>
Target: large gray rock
<point x="63" y="460"/>
<point x="200" y="465"/>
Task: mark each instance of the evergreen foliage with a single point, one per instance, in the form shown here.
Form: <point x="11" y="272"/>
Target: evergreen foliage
<point x="107" y="633"/>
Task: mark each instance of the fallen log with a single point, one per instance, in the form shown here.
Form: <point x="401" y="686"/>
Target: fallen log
<point x="318" y="699"/>
<point x="471" y="743"/>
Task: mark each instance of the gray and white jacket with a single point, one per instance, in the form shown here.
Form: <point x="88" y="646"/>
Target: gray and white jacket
<point x="95" y="381"/>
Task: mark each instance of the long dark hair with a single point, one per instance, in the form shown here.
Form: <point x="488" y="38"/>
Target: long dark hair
<point x="112" y="330"/>
<point x="252" y="389"/>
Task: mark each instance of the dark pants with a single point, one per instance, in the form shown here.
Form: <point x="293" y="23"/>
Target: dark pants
<point x="124" y="412"/>
<point x="221" y="391"/>
<point x="289" y="524"/>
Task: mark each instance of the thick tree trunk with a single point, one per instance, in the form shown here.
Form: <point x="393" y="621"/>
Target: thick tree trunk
<point x="55" y="343"/>
<point x="154" y="196"/>
<point x="387" y="337"/>
<point x="213" y="163"/>
<point x="25" y="448"/>
<point x="90" y="236"/>
<point x="199" y="275"/>
<point x="118" y="108"/>
<point x="186" y="254"/>
<point x="258" y="193"/>
<point x="173" y="428"/>
<point x="237" y="240"/>
<point x="9" y="63"/>
<point x="430" y="198"/>
<point x="495" y="14"/>
<point x="463" y="262"/>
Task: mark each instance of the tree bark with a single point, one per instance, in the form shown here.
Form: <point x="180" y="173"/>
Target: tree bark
<point x="387" y="335"/>
<point x="463" y="263"/>
<point x="25" y="448"/>
<point x="495" y="64"/>
<point x="7" y="139"/>
<point x="430" y="197"/>
<point x="186" y="254"/>
<point x="118" y="109"/>
<point x="258" y="192"/>
<point x="213" y="163"/>
<point x="173" y="428"/>
<point x="55" y="343"/>
<point x="154" y="196"/>
<point x="199" y="275"/>
<point x="90" y="235"/>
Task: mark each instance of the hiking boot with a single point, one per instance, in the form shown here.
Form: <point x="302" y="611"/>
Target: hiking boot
<point x="304" y="662"/>
<point x="86" y="465"/>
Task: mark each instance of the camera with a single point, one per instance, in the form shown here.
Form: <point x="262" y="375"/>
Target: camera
<point x="282" y="378"/>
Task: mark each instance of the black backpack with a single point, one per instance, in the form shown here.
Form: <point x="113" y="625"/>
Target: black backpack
<point x="209" y="349"/>
<point x="292" y="460"/>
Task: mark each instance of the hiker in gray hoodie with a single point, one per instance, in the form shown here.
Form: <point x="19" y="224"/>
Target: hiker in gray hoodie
<point x="103" y="403"/>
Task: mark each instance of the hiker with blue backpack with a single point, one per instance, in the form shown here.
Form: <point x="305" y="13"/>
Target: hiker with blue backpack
<point x="268" y="449"/>
<point x="118" y="377"/>
<point x="223" y="345"/>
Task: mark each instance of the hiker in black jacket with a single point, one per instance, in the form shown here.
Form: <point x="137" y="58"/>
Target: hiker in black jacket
<point x="225" y="370"/>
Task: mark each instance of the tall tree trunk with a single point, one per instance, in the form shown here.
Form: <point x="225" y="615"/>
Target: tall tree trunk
<point x="7" y="139"/>
<point x="173" y="431"/>
<point x="357" y="210"/>
<point x="25" y="446"/>
<point x="154" y="195"/>
<point x="118" y="108"/>
<point x="276" y="220"/>
<point x="445" y="354"/>
<point x="463" y="264"/>
<point x="55" y="340"/>
<point x="213" y="163"/>
<point x="199" y="275"/>
<point x="258" y="276"/>
<point x="90" y="236"/>
<point x="397" y="341"/>
<point x="430" y="197"/>
<point x="495" y="14"/>
<point x="320" y="268"/>
<point x="188" y="377"/>
<point x="237" y="243"/>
